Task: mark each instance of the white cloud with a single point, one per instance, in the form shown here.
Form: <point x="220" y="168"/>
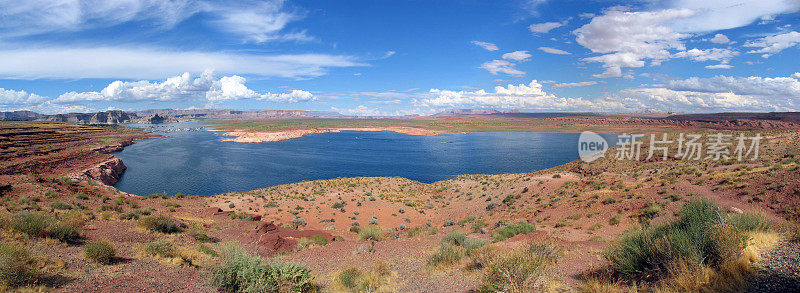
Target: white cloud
<point x="517" y="56"/>
<point x="574" y="84"/>
<point x="715" y="54"/>
<point x="796" y="75"/>
<point x="155" y="63"/>
<point x="719" y="66"/>
<point x="715" y="15"/>
<point x="771" y="45"/>
<point x="10" y="97"/>
<point x="719" y="93"/>
<point x="545" y="27"/>
<point x="776" y="88"/>
<point x="182" y="87"/>
<point x="521" y="96"/>
<point x="42" y="16"/>
<point x="485" y="45"/>
<point x="668" y="99"/>
<point x="257" y="21"/>
<point x="388" y="54"/>
<point x="501" y="66"/>
<point x="720" y="39"/>
<point x="554" y="51"/>
<point x="361" y="110"/>
<point x="627" y="38"/>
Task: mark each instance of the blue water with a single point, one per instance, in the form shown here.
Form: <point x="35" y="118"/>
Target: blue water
<point x="199" y="162"/>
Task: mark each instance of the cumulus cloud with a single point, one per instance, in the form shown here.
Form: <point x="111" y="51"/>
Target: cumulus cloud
<point x="773" y="44"/>
<point x="156" y="63"/>
<point x="485" y="45"/>
<point x="574" y="84"/>
<point x="517" y="56"/>
<point x="690" y="101"/>
<point x="530" y="96"/>
<point x="10" y="97"/>
<point x="501" y="66"/>
<point x="719" y="93"/>
<point x="713" y="54"/>
<point x="257" y="21"/>
<point x="775" y="88"/>
<point x="720" y="39"/>
<point x="628" y="38"/>
<point x="182" y="87"/>
<point x="545" y="27"/>
<point x="554" y="51"/>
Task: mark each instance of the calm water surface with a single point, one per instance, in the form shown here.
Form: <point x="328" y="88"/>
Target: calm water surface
<point x="199" y="162"/>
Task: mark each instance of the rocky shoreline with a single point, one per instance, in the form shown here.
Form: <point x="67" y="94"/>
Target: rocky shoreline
<point x="272" y="136"/>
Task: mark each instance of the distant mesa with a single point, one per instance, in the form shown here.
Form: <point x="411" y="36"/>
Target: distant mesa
<point x="157" y="116"/>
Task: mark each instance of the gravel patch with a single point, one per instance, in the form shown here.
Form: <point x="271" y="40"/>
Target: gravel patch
<point x="778" y="270"/>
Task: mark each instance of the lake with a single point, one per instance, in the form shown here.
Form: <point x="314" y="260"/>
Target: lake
<point x="199" y="162"/>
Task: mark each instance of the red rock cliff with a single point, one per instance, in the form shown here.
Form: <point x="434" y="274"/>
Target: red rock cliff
<point x="107" y="171"/>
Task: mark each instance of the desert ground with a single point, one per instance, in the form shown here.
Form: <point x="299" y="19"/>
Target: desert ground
<point x="64" y="228"/>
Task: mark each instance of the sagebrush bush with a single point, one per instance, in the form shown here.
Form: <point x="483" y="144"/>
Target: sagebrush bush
<point x="447" y="254"/>
<point x="513" y="230"/>
<point x="100" y="252"/>
<point x="136" y="214"/>
<point x="161" y="223"/>
<point x="239" y="271"/>
<point x="371" y="280"/>
<point x="42" y="226"/>
<point x="16" y="266"/>
<point x="699" y="235"/>
<point x="518" y="270"/>
<point x="161" y="247"/>
<point x="455" y="246"/>
<point x="314" y="240"/>
<point x="370" y="233"/>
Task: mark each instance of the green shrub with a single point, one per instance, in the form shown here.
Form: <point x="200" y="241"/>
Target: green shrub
<point x="100" y="252"/>
<point x="239" y="271"/>
<point x="454" y="238"/>
<point x="161" y="247"/>
<point x="136" y="214"/>
<point x="370" y="233"/>
<point x="454" y="247"/>
<point x="60" y="205"/>
<point x="314" y="240"/>
<point x="749" y="222"/>
<point x="349" y="278"/>
<point x="699" y="235"/>
<point x="41" y="225"/>
<point x="16" y="266"/>
<point x="161" y="223"/>
<point x="518" y="271"/>
<point x="513" y="230"/>
<point x="448" y="254"/>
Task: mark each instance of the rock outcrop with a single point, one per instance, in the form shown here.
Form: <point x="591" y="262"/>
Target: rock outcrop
<point x="108" y="172"/>
<point x="113" y="148"/>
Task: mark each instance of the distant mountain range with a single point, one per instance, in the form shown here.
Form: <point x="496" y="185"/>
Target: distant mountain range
<point x="171" y="115"/>
<point x="162" y="115"/>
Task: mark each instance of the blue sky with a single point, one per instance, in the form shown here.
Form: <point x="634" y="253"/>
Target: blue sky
<point x="400" y="57"/>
